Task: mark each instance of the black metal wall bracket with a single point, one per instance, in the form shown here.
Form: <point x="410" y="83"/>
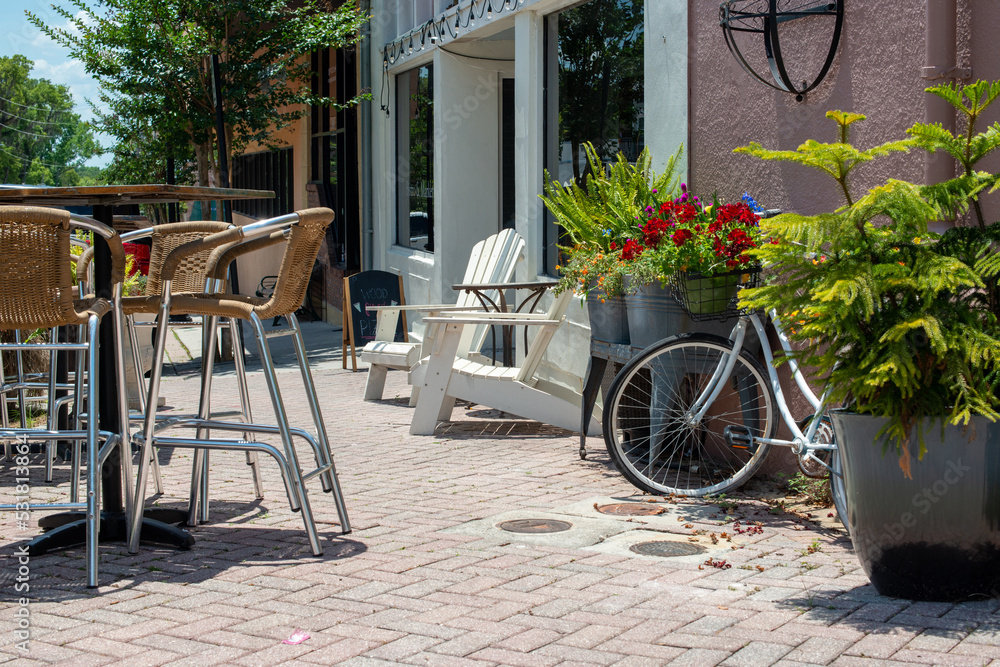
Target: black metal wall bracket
<point x="763" y="17"/>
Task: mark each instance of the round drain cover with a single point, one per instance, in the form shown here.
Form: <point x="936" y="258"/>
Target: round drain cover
<point x="535" y="526"/>
<point x="631" y="509"/>
<point x="666" y="549"/>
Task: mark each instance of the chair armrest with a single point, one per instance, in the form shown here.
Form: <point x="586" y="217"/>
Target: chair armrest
<point x="113" y="240"/>
<point x="173" y="260"/>
<point x="438" y="308"/>
<point x="502" y="321"/>
<point x="145" y="232"/>
<point x="493" y="315"/>
<point x="532" y="285"/>
<point x="223" y="256"/>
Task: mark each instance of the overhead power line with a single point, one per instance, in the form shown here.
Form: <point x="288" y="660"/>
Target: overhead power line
<point x="40" y="122"/>
<point x="28" y="106"/>
<point x="30" y="134"/>
<point x="47" y="164"/>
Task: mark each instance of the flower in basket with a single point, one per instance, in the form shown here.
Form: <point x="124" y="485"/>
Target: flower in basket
<point x="602" y="217"/>
<point x="684" y="237"/>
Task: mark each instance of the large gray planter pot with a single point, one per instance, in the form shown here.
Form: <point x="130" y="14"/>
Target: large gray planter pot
<point x="608" y="319"/>
<point x="933" y="537"/>
<point x="653" y="313"/>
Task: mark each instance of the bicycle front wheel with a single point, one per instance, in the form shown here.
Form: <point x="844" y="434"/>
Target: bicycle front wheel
<point x="650" y="417"/>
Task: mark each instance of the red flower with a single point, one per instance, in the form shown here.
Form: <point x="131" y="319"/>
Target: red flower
<point x="631" y="251"/>
<point x="654" y="231"/>
<point x="681" y="236"/>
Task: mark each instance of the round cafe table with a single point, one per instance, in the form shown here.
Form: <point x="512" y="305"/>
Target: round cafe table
<point x="68" y="529"/>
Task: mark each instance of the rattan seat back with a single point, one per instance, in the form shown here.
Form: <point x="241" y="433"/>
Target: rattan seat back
<point x="192" y="271"/>
<point x="36" y="284"/>
<point x="301" y="251"/>
<point x="302" y="243"/>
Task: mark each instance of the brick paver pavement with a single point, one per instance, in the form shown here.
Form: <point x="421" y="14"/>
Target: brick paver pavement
<point x="413" y="584"/>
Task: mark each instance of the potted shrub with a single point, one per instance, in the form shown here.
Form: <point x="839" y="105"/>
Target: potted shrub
<point x="901" y="325"/>
<point x="599" y="216"/>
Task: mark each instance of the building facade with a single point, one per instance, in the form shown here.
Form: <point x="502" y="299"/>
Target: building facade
<point x="474" y="102"/>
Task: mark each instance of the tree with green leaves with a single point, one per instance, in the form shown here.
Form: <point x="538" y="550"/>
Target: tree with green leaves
<point x="898" y="321"/>
<point x="153" y="61"/>
<point x="41" y="139"/>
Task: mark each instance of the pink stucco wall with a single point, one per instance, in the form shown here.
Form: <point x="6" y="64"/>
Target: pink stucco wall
<point x="876" y="73"/>
<point x="730" y="109"/>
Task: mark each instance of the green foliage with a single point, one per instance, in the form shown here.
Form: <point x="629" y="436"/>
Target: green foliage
<point x="898" y="321"/>
<point x="815" y="491"/>
<point x="152" y="59"/>
<point x="40" y="136"/>
<point x="38" y="174"/>
<point x="606" y="208"/>
<point x="600" y="49"/>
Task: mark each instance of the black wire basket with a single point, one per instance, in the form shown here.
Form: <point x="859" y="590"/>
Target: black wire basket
<point x="713" y="297"/>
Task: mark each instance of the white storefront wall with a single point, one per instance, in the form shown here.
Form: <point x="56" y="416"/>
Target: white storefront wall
<point x="467" y="161"/>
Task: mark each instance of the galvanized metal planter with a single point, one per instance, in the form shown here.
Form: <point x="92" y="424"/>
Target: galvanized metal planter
<point x="608" y="319"/>
<point x="653" y="313"/>
<point x="933" y="537"/>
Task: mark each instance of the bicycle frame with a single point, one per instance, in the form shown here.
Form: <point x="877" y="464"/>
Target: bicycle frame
<point x="802" y="443"/>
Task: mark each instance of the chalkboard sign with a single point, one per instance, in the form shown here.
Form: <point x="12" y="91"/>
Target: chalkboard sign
<point x="361" y="291"/>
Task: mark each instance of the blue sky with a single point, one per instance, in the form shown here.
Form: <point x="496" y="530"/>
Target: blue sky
<point x="52" y="61"/>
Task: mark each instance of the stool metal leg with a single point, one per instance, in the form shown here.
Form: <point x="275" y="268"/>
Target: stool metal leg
<point x="124" y="425"/>
<point x="137" y="366"/>
<point x="149" y="423"/>
<point x="325" y="457"/>
<point x="51" y="418"/>
<point x="79" y="401"/>
<point x="198" y="510"/>
<point x="281" y="418"/>
<point x="93" y="467"/>
<point x="20" y="378"/>
<point x="241" y="378"/>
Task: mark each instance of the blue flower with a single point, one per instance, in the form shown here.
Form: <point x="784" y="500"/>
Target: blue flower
<point x="749" y="201"/>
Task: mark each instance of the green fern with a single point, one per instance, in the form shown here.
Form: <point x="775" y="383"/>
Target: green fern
<point x="603" y="209"/>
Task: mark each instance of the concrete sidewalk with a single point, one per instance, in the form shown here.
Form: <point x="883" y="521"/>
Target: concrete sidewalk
<point x="428" y="576"/>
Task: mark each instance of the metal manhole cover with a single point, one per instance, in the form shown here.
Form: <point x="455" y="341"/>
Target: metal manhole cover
<point x="631" y="509"/>
<point x="535" y="526"/>
<point x="666" y="549"/>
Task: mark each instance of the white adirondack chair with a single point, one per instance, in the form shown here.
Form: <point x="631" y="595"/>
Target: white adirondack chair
<point x="492" y="261"/>
<point x="444" y="377"/>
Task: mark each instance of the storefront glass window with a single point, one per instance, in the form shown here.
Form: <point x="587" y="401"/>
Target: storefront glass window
<point x="594" y="90"/>
<point x="415" y="158"/>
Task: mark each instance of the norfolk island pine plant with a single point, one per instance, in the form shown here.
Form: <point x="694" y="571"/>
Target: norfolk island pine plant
<point x="901" y="324"/>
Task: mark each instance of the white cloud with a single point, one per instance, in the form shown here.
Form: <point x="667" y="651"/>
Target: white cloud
<point x="72" y="74"/>
<point x="42" y="40"/>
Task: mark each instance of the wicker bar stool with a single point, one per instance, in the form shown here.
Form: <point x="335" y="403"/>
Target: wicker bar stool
<point x="44" y="383"/>
<point x="301" y="233"/>
<point x="191" y="275"/>
<point x="37" y="291"/>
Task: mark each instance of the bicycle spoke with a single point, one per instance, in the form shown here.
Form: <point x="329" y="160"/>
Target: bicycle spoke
<point x="650" y="427"/>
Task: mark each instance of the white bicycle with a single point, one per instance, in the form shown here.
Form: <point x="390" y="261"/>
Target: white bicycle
<point x="694" y="415"/>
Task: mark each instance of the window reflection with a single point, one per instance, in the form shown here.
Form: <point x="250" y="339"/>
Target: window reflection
<point x="415" y="223"/>
<point x="594" y="90"/>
